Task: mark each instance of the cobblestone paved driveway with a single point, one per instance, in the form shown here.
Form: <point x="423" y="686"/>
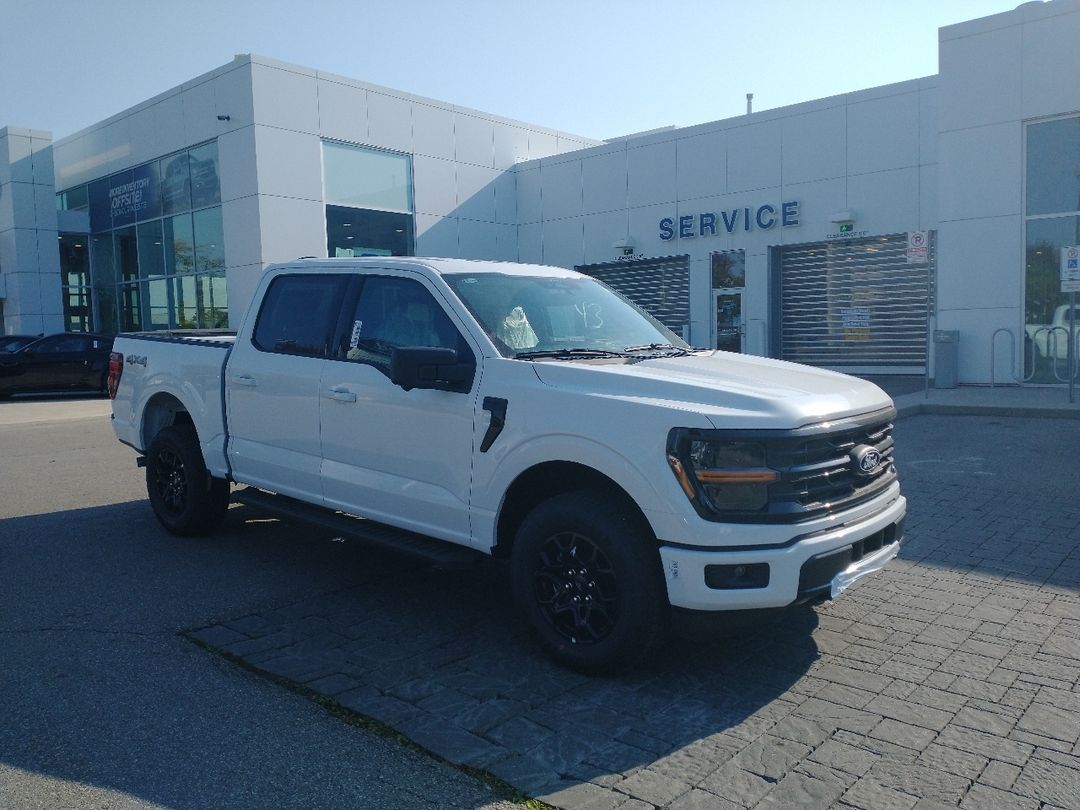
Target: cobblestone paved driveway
<point x="949" y="680"/>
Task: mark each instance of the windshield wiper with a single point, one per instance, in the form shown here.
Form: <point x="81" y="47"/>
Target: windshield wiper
<point x="566" y="354"/>
<point x="669" y="349"/>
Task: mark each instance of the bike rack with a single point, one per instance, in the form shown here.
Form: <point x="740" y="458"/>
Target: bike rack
<point x="1012" y="355"/>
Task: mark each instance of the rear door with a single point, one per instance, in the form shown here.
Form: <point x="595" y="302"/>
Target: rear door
<point x="272" y="385"/>
<point x="400" y="457"/>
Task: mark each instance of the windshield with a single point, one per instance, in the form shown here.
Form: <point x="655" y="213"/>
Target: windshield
<point x="536" y="315"/>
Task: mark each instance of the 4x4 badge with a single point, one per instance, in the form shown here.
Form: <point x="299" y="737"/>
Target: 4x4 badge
<point x="865" y="459"/>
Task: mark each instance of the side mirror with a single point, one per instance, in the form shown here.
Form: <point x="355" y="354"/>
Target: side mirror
<point x="429" y="367"/>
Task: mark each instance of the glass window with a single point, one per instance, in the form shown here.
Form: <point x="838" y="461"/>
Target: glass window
<point x="209" y="240"/>
<point x="175" y="184"/>
<point x="203" y="165"/>
<point x="187" y="311"/>
<point x="127" y="254"/>
<point x="393" y="312"/>
<point x="179" y="244"/>
<point x="130" y="317"/>
<point x="102" y="259"/>
<point x="157" y="303"/>
<point x="151" y="251"/>
<point x="299" y="314"/>
<point x="77" y="313"/>
<point x="74" y="199"/>
<point x="728" y="269"/>
<point x="1046" y="348"/>
<point x="213" y="301"/>
<point x="74" y="259"/>
<point x="366" y="178"/>
<point x="1053" y="167"/>
<point x="359" y="232"/>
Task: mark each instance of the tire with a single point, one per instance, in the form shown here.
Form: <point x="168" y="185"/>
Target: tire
<point x="185" y="498"/>
<point x="588" y="579"/>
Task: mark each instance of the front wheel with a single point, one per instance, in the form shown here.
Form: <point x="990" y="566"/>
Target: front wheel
<point x="588" y="579"/>
<point x="185" y="498"/>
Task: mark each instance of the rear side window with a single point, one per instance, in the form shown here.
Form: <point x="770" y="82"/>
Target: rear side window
<point x="299" y="314"/>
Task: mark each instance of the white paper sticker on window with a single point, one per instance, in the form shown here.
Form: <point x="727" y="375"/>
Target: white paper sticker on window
<point x="354" y="340"/>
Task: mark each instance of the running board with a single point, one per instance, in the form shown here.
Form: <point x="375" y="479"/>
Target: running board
<point x="419" y="547"/>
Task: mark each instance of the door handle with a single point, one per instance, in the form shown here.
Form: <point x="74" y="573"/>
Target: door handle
<point x="341" y="395"/>
<point x="244" y="379"/>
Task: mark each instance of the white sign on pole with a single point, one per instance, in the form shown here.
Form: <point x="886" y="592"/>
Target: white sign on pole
<point x="1070" y="268"/>
<point x="918" y="246"/>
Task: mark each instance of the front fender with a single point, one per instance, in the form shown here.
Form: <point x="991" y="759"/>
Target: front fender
<point x="648" y="481"/>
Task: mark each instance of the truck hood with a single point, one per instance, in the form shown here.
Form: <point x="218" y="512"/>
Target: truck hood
<point x="731" y="390"/>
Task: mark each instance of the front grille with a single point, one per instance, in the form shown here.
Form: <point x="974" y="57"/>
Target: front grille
<point x="817" y="467"/>
<point x="818" y="474"/>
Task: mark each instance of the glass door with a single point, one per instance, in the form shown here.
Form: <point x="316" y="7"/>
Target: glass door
<point x="728" y="332"/>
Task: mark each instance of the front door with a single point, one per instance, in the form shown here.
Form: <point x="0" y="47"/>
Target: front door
<point x="727" y="321"/>
<point x="396" y="456"/>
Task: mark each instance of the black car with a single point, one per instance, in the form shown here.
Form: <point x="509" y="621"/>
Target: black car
<point x="70" y="360"/>
<point x="11" y="343"/>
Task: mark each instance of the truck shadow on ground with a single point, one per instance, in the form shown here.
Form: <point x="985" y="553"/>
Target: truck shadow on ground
<point x="442" y="657"/>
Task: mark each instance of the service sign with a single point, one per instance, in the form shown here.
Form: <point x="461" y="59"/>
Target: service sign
<point x="1070" y="268"/>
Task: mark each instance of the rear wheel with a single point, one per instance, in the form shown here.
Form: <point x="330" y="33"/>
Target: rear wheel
<point x="185" y="498"/>
<point x="588" y="579"/>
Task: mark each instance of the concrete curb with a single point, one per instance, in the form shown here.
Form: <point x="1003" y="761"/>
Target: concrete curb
<point x="905" y="409"/>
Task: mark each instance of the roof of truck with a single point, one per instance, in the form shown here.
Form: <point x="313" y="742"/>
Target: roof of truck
<point x="442" y="266"/>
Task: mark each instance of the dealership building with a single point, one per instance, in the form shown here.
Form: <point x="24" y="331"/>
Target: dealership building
<point x="910" y="228"/>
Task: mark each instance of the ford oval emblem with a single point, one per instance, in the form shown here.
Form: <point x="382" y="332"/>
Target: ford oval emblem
<point x="865" y="459"/>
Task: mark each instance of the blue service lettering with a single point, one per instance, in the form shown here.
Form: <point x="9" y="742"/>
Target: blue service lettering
<point x="790" y="213"/>
<point x="763" y="216"/>
<point x="708" y="221"/>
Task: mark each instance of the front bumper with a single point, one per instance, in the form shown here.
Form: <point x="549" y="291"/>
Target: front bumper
<point x="821" y="564"/>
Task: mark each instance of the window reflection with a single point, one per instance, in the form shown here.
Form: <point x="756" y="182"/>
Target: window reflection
<point x="1053" y="167"/>
<point x="203" y="166"/>
<point x="366" y="178"/>
<point x="1053" y="188"/>
<point x="151" y="225"/>
<point x="209" y="240"/>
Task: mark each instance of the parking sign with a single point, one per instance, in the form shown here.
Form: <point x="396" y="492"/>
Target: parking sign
<point x="1070" y="268"/>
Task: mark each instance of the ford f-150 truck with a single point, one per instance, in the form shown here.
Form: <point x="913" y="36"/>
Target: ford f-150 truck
<point x="449" y="407"/>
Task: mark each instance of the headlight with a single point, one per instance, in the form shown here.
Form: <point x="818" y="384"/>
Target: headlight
<point x="731" y="476"/>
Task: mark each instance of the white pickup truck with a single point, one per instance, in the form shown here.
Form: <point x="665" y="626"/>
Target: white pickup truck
<point x="448" y="407"/>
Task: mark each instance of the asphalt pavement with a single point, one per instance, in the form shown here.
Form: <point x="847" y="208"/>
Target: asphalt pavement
<point x="103" y="704"/>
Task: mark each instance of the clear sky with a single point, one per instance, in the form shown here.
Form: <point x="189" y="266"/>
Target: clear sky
<point x="598" y="68"/>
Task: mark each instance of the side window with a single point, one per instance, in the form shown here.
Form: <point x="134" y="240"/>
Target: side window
<point x="299" y="314"/>
<point x="63" y="344"/>
<point x="393" y="312"/>
<point x="50" y="345"/>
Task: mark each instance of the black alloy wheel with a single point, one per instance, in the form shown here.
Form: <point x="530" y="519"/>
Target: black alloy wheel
<point x="576" y="587"/>
<point x="186" y="499"/>
<point x="586" y="575"/>
<point x="170" y="480"/>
